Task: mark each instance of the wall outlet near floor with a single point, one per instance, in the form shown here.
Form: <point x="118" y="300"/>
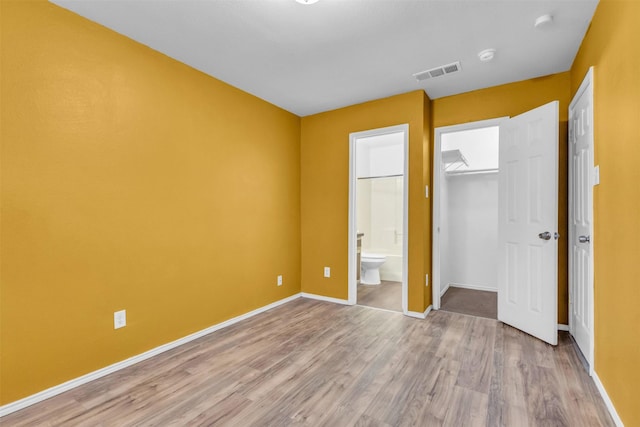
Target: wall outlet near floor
<point x="280" y="280"/>
<point x="426" y="280"/>
<point x="119" y="319"/>
<point x="327" y="272"/>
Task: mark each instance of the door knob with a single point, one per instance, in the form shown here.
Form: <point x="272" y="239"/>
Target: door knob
<point x="584" y="239"/>
<point x="545" y="236"/>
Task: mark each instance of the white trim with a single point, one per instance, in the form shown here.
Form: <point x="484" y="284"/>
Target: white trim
<point x="446" y="288"/>
<point x="474" y="287"/>
<point x="327" y="299"/>
<point x="352" y="256"/>
<point x="563" y="327"/>
<point x="607" y="400"/>
<point x="435" y="213"/>
<point x="428" y="310"/>
<point x="587" y="84"/>
<point x="380" y="309"/>
<point x="418" y="315"/>
<point x="68" y="385"/>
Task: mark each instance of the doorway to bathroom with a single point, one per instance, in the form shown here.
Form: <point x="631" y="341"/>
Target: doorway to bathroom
<point x="378" y="218"/>
<point x="466" y="211"/>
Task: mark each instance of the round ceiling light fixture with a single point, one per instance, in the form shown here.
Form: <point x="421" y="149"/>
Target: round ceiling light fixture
<point x="543" y="21"/>
<point x="486" y="55"/>
<point x="307" y="1"/>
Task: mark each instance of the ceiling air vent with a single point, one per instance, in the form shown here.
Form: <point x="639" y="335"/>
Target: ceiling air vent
<point x="438" y="71"/>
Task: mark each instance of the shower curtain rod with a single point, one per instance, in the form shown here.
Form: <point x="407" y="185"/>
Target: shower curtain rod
<point x="381" y="176"/>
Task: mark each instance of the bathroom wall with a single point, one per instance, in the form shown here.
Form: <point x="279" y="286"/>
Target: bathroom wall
<point x="379" y="203"/>
<point x="379" y="216"/>
<point x="380" y="155"/>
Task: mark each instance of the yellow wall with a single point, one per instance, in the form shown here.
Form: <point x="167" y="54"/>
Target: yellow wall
<point x="130" y="181"/>
<point x="325" y="191"/>
<point x="504" y="100"/>
<point x="611" y="45"/>
<point x="510" y="100"/>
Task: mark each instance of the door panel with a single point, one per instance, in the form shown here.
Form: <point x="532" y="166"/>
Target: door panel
<point x="528" y="206"/>
<point x="580" y="221"/>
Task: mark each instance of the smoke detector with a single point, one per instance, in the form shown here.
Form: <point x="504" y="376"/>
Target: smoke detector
<point x="543" y="21"/>
<point x="442" y="70"/>
<point x="307" y="1"/>
<point x="486" y="55"/>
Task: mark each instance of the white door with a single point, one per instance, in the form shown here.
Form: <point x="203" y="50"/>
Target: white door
<point x="527" y="219"/>
<point x="581" y="219"/>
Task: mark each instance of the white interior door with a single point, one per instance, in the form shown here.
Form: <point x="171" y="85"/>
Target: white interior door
<point x="527" y="223"/>
<point x="581" y="219"/>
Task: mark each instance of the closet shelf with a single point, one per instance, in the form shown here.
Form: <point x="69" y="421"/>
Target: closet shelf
<point x="453" y="160"/>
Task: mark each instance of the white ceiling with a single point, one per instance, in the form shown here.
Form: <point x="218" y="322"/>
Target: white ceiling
<point x="313" y="58"/>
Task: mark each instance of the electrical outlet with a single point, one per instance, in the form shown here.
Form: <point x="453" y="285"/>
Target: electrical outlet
<point x="280" y="280"/>
<point x="426" y="280"/>
<point x="327" y="272"/>
<point x="119" y="319"/>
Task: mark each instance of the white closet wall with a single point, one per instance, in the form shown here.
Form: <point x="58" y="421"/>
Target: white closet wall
<point x="469" y="230"/>
<point x="446" y="260"/>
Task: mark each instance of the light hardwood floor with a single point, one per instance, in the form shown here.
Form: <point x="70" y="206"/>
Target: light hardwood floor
<point x="314" y="363"/>
<point x="386" y="295"/>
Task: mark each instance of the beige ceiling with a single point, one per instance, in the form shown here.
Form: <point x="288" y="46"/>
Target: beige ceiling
<point x="313" y="58"/>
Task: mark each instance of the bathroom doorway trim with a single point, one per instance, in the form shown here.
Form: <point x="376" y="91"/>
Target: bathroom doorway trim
<point x="352" y="282"/>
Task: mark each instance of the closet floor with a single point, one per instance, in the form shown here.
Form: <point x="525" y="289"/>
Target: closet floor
<point x="470" y="301"/>
<point x="387" y="295"/>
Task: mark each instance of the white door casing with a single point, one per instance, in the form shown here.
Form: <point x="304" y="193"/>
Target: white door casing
<point x="528" y="209"/>
<point x="437" y="210"/>
<point x="581" y="218"/>
<point x="352" y="239"/>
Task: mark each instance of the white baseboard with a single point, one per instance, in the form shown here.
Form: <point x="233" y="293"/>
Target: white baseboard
<point x="380" y="309"/>
<point x="323" y="298"/>
<point x="418" y="315"/>
<point x="66" y="386"/>
<point x="390" y="277"/>
<point x="607" y="400"/>
<point x="474" y="287"/>
<point x="563" y="327"/>
<point x="445" y="289"/>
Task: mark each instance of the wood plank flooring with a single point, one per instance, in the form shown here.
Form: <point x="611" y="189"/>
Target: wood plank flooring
<point x="313" y="363"/>
<point x="386" y="295"/>
<point x="470" y="301"/>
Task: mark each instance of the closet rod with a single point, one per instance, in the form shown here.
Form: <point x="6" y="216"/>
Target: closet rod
<point x="471" y="172"/>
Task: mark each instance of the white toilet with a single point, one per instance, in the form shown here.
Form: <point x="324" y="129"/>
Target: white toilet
<point x="370" y="266"/>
